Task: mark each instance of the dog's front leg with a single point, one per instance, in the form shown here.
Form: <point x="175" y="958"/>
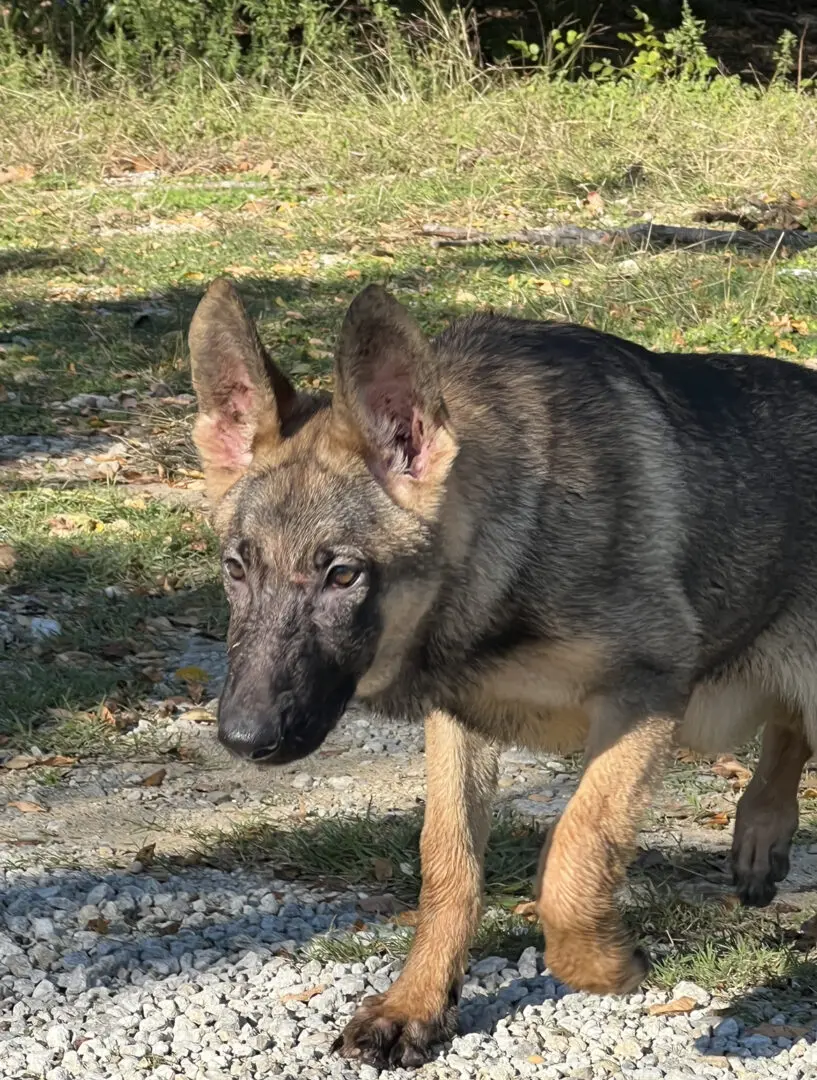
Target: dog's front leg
<point x="586" y="858"/>
<point x="400" y="1026"/>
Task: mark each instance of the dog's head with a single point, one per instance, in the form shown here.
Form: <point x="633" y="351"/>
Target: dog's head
<point x="327" y="512"/>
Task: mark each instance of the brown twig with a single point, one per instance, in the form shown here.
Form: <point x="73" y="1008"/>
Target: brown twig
<point x="644" y="235"/>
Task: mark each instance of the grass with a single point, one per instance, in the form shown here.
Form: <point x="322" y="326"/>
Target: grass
<point x="719" y="946"/>
<point x="70" y="547"/>
<point x="361" y="849"/>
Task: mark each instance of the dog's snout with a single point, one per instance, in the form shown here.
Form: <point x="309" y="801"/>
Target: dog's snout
<point x="253" y="733"/>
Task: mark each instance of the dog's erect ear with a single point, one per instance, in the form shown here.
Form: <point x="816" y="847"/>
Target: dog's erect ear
<point x="388" y="392"/>
<point x="243" y="398"/>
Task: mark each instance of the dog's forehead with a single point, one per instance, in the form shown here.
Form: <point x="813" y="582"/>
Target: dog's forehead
<point x="289" y="509"/>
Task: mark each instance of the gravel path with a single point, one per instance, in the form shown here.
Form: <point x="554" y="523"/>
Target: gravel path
<point x="198" y="976"/>
<point x="147" y="971"/>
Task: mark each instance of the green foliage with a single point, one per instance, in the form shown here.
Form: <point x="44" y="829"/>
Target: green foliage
<point x="297" y="43"/>
<point x="260" y="39"/>
<point x="787" y="61"/>
<point x="680" y="53"/>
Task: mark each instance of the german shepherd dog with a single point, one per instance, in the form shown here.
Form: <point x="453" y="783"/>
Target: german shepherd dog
<point x="521" y="533"/>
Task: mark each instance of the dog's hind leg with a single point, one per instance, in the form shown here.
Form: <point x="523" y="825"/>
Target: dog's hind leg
<point x="767" y="813"/>
<point x="400" y="1026"/>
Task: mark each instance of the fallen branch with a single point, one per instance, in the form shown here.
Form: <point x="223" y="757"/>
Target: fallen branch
<point x="644" y="235"/>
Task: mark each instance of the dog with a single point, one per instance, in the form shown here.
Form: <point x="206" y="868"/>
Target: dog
<point x="519" y="533"/>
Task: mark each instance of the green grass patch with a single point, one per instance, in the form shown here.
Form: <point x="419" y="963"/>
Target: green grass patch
<point x="720" y="946"/>
<point x="371" y="850"/>
<point x="71" y="546"/>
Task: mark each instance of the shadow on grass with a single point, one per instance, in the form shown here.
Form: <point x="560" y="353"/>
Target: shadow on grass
<point x="20" y="260"/>
<point x="100" y="587"/>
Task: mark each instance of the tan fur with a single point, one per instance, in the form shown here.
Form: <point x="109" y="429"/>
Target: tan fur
<point x="461" y="771"/>
<point x="534" y="697"/>
<point x="588" y="854"/>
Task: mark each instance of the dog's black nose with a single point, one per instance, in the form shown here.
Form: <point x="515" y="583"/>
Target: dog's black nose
<point x="263" y="753"/>
<point x="251" y="733"/>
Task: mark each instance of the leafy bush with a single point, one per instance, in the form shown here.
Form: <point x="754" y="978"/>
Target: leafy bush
<point x="259" y="39"/>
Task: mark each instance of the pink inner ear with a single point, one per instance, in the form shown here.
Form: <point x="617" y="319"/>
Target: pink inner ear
<point x="224" y="437"/>
<point x="421" y="441"/>
<point x="223" y="443"/>
<point x="398" y="424"/>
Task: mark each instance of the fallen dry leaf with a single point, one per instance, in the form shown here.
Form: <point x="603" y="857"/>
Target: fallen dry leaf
<point x="535" y="1059"/>
<point x="15" y="174"/>
<point x="678" y="1007"/>
<point x="26" y="807"/>
<point x="527" y="910"/>
<point x="780" y="1031"/>
<point x="192" y="675"/>
<point x="730" y="768"/>
<point x="106" y="716"/>
<point x="716" y="821"/>
<point x="57" y="761"/>
<point x="99" y="925"/>
<point x="809" y="793"/>
<point x="199" y="716"/>
<point x="304" y="995"/>
<point x="8" y="557"/>
<point x="154" y="779"/>
<point x="20" y="761"/>
<point x="383" y="869"/>
<point x="145" y="855"/>
<point x="65" y="524"/>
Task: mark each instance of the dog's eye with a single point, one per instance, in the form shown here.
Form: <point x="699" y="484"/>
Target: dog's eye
<point x="341" y="577"/>
<point x="234" y="569"/>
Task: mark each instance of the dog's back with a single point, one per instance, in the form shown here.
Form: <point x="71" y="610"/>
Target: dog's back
<point x="664" y="503"/>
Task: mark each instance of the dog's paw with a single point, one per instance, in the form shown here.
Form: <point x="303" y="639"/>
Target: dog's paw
<point x="379" y="1035"/>
<point x="759" y="861"/>
<point x="612" y="971"/>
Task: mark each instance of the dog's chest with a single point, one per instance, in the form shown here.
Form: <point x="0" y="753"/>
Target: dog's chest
<point x="534" y="695"/>
<point x="541" y="676"/>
